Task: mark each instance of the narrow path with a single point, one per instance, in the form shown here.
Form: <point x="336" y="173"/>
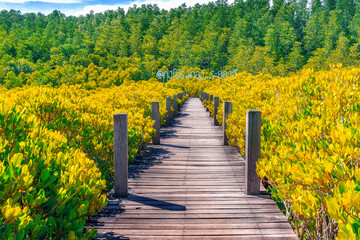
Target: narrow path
<point x="190" y="187"/>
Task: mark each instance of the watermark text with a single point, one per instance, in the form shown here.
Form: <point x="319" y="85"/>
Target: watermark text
<point x="180" y="74"/>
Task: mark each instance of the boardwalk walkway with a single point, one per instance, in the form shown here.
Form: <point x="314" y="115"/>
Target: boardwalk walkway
<point x="190" y="187"/>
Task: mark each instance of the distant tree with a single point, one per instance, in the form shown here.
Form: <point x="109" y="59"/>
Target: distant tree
<point x="333" y="30"/>
<point x="314" y="33"/>
<point x="341" y="54"/>
<point x="280" y="38"/>
<point x="295" y="60"/>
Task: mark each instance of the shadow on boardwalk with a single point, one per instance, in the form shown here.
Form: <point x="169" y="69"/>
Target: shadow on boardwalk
<point x="111" y="236"/>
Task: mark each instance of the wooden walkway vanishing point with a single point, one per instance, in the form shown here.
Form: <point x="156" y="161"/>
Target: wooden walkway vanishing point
<point x="190" y="186"/>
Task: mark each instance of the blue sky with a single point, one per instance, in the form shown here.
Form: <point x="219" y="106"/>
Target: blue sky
<point x="81" y="7"/>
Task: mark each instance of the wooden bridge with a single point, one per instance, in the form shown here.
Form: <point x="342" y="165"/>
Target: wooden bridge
<point x="190" y="187"/>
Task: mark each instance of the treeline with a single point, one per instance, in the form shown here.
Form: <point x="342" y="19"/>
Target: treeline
<point x="109" y="48"/>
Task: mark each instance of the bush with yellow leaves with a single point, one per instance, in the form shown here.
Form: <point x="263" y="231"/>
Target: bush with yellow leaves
<point x="309" y="145"/>
<point x="56" y="153"/>
<point x="47" y="189"/>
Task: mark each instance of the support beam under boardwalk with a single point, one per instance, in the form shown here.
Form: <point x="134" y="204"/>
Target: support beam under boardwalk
<point x="190" y="187"/>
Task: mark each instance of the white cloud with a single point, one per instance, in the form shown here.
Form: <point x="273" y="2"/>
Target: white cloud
<point x="48" y="1"/>
<point x="162" y="4"/>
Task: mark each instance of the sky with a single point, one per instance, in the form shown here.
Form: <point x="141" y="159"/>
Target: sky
<point x="82" y="7"/>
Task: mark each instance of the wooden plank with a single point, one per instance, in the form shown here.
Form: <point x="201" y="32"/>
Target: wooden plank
<point x="197" y="232"/>
<point x="124" y="220"/>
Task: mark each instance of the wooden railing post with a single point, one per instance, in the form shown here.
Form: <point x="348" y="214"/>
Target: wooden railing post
<point x="211" y="98"/>
<point x="168" y="111"/>
<point x="216" y="105"/>
<point x="181" y="97"/>
<point x="155" y="115"/>
<point x="175" y="105"/>
<point x="207" y="99"/>
<point x="252" y="151"/>
<point x="227" y="112"/>
<point x="120" y="155"/>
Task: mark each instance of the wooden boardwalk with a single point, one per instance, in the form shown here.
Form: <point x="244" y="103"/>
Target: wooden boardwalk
<point x="190" y="187"/>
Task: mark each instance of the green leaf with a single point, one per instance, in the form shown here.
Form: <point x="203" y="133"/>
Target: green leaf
<point x="342" y="187"/>
<point x="44" y="175"/>
<point x="20" y="235"/>
<point x="356" y="226"/>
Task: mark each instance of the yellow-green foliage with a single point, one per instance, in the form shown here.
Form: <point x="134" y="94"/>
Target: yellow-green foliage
<point x="309" y="145"/>
<point x="56" y="156"/>
<point x="86" y="117"/>
<point x="47" y="188"/>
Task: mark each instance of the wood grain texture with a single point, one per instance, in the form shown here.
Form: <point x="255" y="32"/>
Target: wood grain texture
<point x="190" y="187"/>
<point x="155" y="115"/>
<point x="252" y="151"/>
<point x="168" y="111"/>
<point x="216" y="105"/>
<point x="120" y="154"/>
<point x="227" y="110"/>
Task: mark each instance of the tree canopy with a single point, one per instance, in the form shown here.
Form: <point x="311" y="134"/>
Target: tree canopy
<point x="109" y="48"/>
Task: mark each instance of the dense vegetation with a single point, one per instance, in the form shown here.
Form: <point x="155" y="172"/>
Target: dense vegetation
<point x="309" y="145"/>
<point x="105" y="49"/>
<point x="56" y="153"/>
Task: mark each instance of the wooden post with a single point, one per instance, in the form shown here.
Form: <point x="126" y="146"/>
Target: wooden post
<point x="227" y="112"/>
<point x="155" y="115"/>
<point x="175" y="105"/>
<point x="180" y="96"/>
<point x="216" y="105"/>
<point x="207" y="99"/>
<point x="252" y="151"/>
<point x="168" y="111"/>
<point x="211" y="98"/>
<point x="120" y="154"/>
